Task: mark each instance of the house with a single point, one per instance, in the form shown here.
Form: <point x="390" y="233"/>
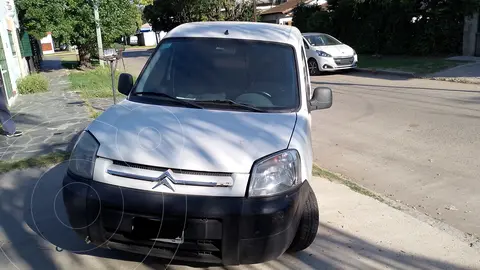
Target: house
<point x="47" y="44"/>
<point x="283" y="13"/>
<point x="12" y="64"/>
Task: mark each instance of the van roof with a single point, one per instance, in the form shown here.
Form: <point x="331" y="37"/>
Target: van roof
<point x="239" y="30"/>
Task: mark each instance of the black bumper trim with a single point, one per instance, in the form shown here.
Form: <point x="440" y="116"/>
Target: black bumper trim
<point x="252" y="230"/>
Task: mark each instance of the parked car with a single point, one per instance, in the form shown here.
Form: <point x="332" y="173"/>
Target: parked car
<point x="209" y="157"/>
<point x="326" y="53"/>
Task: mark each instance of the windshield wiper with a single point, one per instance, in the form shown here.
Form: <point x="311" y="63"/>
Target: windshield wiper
<point x="180" y="101"/>
<point x="231" y="102"/>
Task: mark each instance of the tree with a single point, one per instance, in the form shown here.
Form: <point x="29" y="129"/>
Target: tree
<point x="72" y="21"/>
<point x="419" y="27"/>
<point x="165" y="15"/>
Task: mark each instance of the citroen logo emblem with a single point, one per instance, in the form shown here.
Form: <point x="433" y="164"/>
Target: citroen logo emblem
<point x="166" y="179"/>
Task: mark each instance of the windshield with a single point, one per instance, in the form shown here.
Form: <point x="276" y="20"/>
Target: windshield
<point x="209" y="72"/>
<point x="322" y="40"/>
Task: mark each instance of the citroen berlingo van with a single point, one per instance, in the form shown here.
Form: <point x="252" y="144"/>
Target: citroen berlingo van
<point x="209" y="157"/>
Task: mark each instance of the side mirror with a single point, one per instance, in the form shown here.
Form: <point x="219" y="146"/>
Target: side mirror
<point x="322" y="99"/>
<point x="125" y="83"/>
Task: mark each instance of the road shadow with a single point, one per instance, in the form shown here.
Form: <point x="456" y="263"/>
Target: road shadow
<point x="472" y="100"/>
<point x="365" y="74"/>
<point x="49" y="65"/>
<point x="36" y="232"/>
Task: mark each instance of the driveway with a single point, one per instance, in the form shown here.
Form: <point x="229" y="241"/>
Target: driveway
<point x="416" y="141"/>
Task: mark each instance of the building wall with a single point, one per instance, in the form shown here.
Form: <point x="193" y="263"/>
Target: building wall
<point x="47" y="44"/>
<point x="16" y="65"/>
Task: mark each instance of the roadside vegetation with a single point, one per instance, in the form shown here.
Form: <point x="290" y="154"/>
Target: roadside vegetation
<point x="409" y="35"/>
<point x="39" y="161"/>
<point x="318" y="171"/>
<point x="34" y="83"/>
<point x="94" y="83"/>
<point x="407" y="27"/>
<point x="71" y="22"/>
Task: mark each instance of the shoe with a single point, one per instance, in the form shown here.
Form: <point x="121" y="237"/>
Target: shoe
<point x="15" y="134"/>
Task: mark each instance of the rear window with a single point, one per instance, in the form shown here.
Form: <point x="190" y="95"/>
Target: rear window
<point x="259" y="74"/>
<point x="322" y="40"/>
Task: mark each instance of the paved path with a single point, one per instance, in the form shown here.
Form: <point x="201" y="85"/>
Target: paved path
<point x="465" y="73"/>
<point x="356" y="232"/>
<point x="416" y="141"/>
<point x="50" y="121"/>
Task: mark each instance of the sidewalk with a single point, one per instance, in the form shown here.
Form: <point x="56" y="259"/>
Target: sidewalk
<point x="356" y="232"/>
<point x="50" y="121"/>
<point x="468" y="73"/>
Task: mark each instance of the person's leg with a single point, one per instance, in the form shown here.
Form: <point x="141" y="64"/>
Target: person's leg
<point x="8" y="124"/>
<point x="6" y="119"/>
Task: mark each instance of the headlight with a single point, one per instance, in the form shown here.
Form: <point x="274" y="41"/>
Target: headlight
<point x="354" y="52"/>
<point x="324" y="54"/>
<point x="275" y="174"/>
<point x="82" y="160"/>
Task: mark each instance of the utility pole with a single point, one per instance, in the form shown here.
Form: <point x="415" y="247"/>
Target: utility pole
<point x="99" y="32"/>
<point x="254" y="10"/>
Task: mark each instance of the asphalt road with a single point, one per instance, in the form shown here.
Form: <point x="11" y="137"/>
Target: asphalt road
<point x="416" y="141"/>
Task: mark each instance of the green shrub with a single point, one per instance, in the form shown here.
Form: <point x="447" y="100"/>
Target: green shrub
<point x="34" y="83"/>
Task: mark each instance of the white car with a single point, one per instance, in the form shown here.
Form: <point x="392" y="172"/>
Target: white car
<point x="209" y="157"/>
<point x="326" y="53"/>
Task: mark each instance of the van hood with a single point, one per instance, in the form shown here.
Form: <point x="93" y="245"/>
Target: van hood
<point x="189" y="138"/>
<point x="341" y="50"/>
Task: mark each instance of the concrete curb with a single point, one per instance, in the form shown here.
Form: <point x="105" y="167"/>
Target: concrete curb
<point x="389" y="72"/>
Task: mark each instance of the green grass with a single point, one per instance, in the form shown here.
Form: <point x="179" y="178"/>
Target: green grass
<point x="317" y="171"/>
<point x="95" y="83"/>
<point x="417" y="65"/>
<point x="93" y="113"/>
<point x="40" y="161"/>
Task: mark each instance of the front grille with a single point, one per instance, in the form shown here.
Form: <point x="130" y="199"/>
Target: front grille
<point x="162" y="169"/>
<point x="344" y="61"/>
<point x="202" y="237"/>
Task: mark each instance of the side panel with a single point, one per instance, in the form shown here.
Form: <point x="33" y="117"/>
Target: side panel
<point x="302" y="141"/>
<point x="301" y="137"/>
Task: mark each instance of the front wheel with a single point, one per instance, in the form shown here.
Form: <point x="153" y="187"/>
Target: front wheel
<point x="313" y="67"/>
<point x="308" y="227"/>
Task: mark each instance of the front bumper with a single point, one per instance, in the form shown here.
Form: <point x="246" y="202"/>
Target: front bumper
<point x="333" y="64"/>
<point x="217" y="230"/>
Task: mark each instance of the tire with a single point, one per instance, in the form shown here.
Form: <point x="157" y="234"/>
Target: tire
<point x="313" y="67"/>
<point x="308" y="226"/>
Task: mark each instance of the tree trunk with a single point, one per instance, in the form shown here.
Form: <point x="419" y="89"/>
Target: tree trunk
<point x="84" y="55"/>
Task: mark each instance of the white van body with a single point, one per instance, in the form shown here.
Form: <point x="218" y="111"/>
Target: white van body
<point x="204" y="153"/>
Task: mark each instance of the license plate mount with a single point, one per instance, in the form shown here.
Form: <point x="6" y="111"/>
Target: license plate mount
<point x="166" y="230"/>
<point x="179" y="240"/>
